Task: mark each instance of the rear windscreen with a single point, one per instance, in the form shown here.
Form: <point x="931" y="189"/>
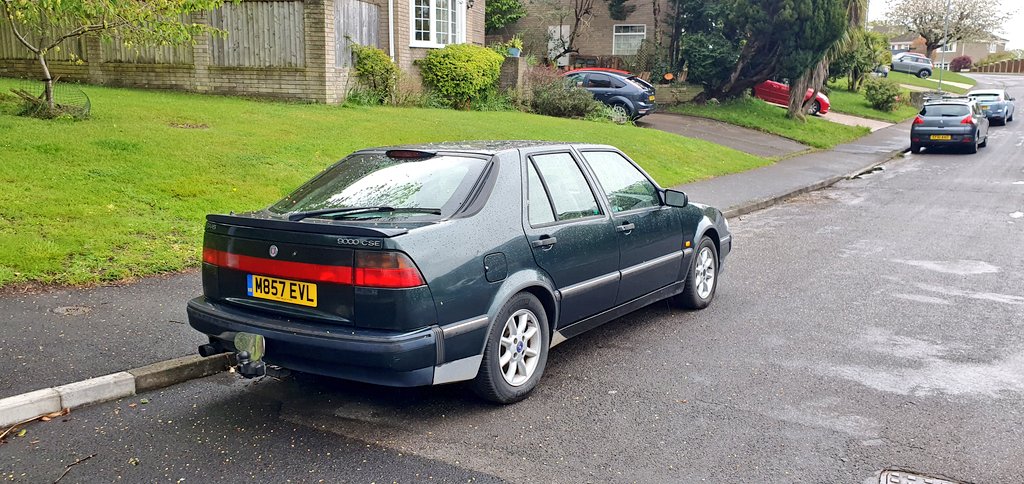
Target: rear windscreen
<point x="375" y="180"/>
<point x="986" y="97"/>
<point x="945" y="110"/>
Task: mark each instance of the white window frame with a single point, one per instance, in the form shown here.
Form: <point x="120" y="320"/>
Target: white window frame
<point x="616" y="34"/>
<point x="432" y="43"/>
<point x="992" y="48"/>
<point x="951" y="47"/>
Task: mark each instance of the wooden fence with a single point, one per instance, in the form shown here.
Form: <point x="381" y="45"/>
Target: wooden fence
<point x="11" y="48"/>
<point x="354" y="22"/>
<point x="259" y="34"/>
<point x="1006" y="66"/>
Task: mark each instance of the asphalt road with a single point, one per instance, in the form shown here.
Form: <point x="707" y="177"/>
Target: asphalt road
<point x="875" y="324"/>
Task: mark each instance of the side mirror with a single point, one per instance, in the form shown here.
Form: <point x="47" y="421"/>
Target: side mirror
<point x="676" y="198"/>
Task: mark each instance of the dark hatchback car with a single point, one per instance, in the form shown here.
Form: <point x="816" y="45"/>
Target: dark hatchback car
<point x="422" y="265"/>
<point x="957" y="122"/>
<point x="624" y="92"/>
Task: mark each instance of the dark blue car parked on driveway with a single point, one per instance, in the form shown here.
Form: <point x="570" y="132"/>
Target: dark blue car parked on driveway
<point x="631" y="96"/>
<point x="421" y="265"/>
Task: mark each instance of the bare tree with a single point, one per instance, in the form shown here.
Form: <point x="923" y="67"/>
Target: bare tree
<point x="576" y="14"/>
<point x="967" y="19"/>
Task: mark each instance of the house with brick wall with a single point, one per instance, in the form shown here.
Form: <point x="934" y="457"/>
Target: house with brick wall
<point x="975" y="49"/>
<point x="602" y="40"/>
<point x="292" y="49"/>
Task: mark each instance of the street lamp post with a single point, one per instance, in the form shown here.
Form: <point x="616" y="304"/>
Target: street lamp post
<point x="945" y="40"/>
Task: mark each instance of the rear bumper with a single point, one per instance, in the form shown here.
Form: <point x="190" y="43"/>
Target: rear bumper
<point x="389" y="358"/>
<point x="924" y="137"/>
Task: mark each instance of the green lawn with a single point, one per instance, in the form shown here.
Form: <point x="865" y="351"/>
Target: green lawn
<point x="933" y="81"/>
<point x="856" y="104"/>
<point x="757" y="114"/>
<point x="124" y="194"/>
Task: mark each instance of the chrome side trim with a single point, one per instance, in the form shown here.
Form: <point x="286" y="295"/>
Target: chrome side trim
<point x="688" y="251"/>
<point x="589" y="284"/>
<point x="726" y="238"/>
<point x="556" y="338"/>
<point x="643" y="266"/>
<point x="458" y="370"/>
<point x="464" y="326"/>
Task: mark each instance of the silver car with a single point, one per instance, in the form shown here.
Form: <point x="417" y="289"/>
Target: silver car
<point x="997" y="104"/>
<point x="915" y="64"/>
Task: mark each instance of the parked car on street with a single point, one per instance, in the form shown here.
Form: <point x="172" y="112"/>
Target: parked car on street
<point x="778" y="93"/>
<point x="913" y="63"/>
<point x="997" y="104"/>
<point x="955" y="122"/>
<point x="430" y="264"/>
<point x="631" y="96"/>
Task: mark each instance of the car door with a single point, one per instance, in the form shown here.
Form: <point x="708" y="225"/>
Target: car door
<point x="650" y="234"/>
<point x="600" y="85"/>
<point x="779" y="92"/>
<point x="571" y="237"/>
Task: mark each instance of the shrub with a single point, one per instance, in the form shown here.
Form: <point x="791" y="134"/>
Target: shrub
<point x="553" y="96"/>
<point x="960" y="63"/>
<point x="377" y="73"/>
<point x="882" y="93"/>
<point x="461" y="73"/>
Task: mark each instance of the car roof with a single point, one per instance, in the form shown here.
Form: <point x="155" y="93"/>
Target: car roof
<point x="985" y="91"/>
<point x="486" y="147"/>
<point x="604" y="70"/>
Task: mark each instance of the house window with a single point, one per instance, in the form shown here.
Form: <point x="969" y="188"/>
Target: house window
<point x="992" y="48"/>
<point x="626" y="39"/>
<point x="948" y="47"/>
<point x="437" y="23"/>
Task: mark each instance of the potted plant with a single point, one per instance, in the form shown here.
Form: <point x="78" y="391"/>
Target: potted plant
<point x="515" y="46"/>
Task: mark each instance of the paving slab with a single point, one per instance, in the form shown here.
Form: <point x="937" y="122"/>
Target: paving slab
<point x="738" y="138"/>
<point x="731" y="193"/>
<point x="850" y="120"/>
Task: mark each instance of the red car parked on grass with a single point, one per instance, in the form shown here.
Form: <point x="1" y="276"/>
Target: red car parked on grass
<point x="778" y="93"/>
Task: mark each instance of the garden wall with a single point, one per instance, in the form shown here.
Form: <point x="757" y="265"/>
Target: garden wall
<point x="274" y="48"/>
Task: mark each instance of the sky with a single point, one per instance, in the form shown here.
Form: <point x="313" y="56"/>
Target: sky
<point x="1013" y="29"/>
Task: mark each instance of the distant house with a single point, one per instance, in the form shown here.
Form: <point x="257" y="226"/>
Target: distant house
<point x="975" y="49"/>
<point x="295" y="49"/>
<point x="601" y="41"/>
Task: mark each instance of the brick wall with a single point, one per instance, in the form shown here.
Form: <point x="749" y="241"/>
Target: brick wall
<point x="319" y="80"/>
<point x="596" y="35"/>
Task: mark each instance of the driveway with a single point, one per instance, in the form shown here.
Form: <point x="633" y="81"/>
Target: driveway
<point x="742" y="139"/>
<point x="850" y="120"/>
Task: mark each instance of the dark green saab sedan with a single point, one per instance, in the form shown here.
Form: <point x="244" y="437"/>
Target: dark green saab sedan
<point x="430" y="264"/>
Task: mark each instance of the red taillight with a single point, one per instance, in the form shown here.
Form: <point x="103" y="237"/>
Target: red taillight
<point x="392" y="270"/>
<point x="967" y="120"/>
<point x="386" y="269"/>
<point x="919" y="120"/>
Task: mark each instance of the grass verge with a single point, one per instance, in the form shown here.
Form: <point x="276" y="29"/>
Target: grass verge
<point x="856" y="104"/>
<point x="124" y="194"/>
<point x="757" y="114"/>
<point x="933" y="81"/>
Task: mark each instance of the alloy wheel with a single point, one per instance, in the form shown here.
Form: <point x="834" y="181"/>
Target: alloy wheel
<point x="704" y="273"/>
<point x="519" y="348"/>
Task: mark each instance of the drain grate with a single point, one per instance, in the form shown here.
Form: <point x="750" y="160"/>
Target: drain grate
<point x="904" y="477"/>
<point x="72" y="310"/>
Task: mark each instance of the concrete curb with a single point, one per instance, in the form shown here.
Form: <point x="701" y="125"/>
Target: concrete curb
<point x="764" y="203"/>
<point x="32" y="405"/>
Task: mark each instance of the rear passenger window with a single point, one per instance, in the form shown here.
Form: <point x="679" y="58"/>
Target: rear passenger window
<point x="566" y="186"/>
<point x="598" y="81"/>
<point x="624" y="185"/>
<point x="538" y="204"/>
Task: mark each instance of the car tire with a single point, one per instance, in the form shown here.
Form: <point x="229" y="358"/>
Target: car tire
<point x="974" y="146"/>
<point x="915" y="148"/>
<point x="493" y="382"/>
<point x="621" y="113"/>
<point x="699" y="290"/>
<point x="984" y="142"/>
<point x="814" y="109"/>
<point x="924" y="73"/>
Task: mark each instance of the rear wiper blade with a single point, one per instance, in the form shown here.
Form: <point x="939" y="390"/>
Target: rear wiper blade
<point x="296" y="216"/>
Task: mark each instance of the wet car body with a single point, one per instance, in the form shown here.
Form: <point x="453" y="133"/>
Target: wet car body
<point x="952" y="122"/>
<point x="997" y="104"/>
<point x="778" y="93"/>
<point x="475" y="258"/>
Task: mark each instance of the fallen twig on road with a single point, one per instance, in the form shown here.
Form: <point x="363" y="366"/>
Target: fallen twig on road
<point x="46" y="417"/>
<point x="69" y="466"/>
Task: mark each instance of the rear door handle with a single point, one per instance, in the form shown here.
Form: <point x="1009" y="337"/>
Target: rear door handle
<point x="544" y="242"/>
<point x="626" y="227"/>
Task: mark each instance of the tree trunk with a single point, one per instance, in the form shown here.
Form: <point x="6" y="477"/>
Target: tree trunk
<point x="797" y="91"/>
<point x="47" y="80"/>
